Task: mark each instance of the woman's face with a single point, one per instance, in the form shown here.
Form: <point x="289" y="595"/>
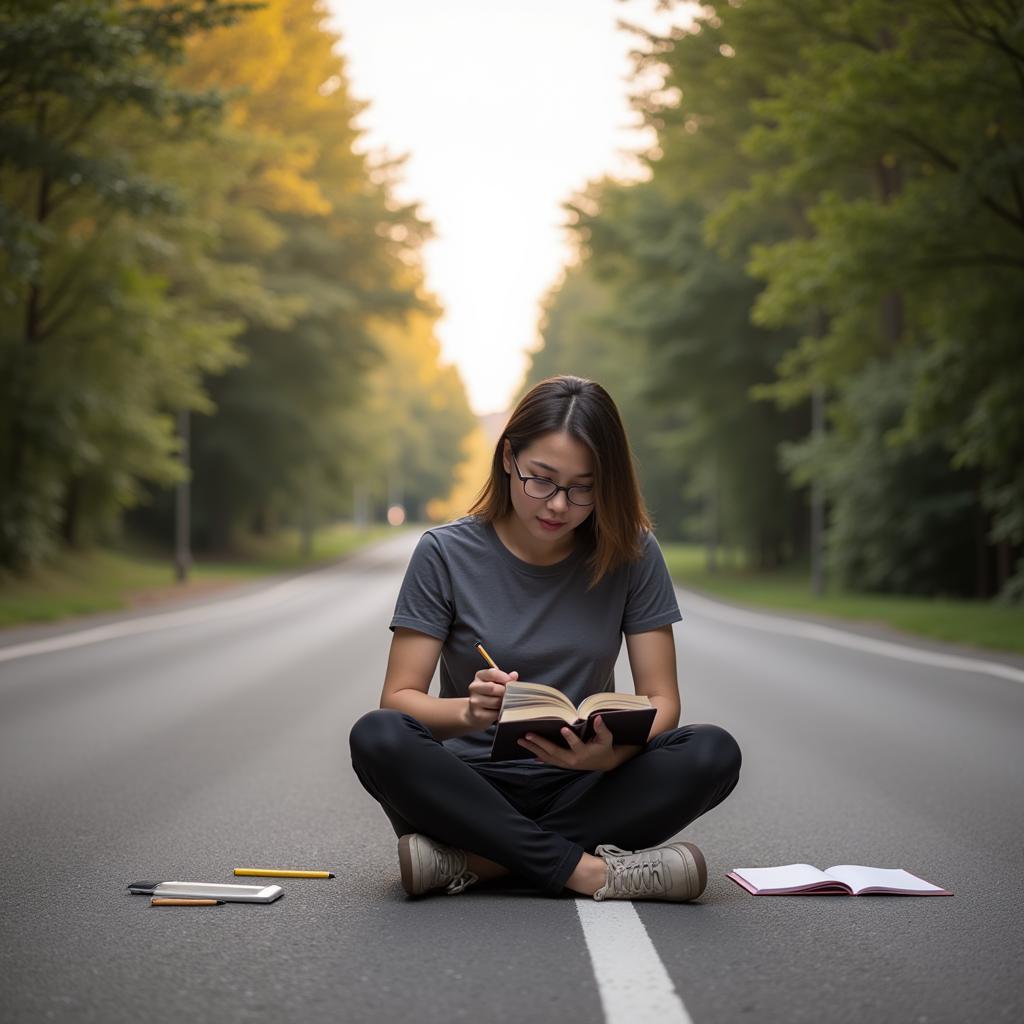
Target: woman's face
<point x="562" y="460"/>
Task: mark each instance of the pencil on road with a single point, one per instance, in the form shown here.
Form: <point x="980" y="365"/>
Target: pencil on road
<point x="282" y="873"/>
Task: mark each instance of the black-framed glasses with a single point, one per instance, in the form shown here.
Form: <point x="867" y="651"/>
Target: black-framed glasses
<point x="541" y="487"/>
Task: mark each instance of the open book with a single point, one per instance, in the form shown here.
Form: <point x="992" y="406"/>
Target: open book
<point x="540" y="709"/>
<point x="840" y="880"/>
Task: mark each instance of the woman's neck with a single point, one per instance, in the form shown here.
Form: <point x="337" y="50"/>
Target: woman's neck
<point x="511" y="533"/>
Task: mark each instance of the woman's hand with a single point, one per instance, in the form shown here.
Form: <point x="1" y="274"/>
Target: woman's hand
<point x="596" y="756"/>
<point x="485" y="693"/>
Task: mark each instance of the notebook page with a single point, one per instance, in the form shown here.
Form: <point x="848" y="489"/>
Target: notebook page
<point x="787" y="876"/>
<point x="859" y="878"/>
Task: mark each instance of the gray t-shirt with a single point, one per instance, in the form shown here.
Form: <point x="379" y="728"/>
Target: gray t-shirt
<point x="464" y="585"/>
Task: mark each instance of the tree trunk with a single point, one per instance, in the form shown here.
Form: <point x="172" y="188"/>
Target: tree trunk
<point x="889" y="180"/>
<point x="982" y="579"/>
<point x="14" y="552"/>
<point x="1003" y="564"/>
<point x="70" y="520"/>
<point x="183" y="504"/>
<point x="713" y="524"/>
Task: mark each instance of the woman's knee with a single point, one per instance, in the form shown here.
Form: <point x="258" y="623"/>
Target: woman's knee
<point x="380" y="733"/>
<point x="717" y="755"/>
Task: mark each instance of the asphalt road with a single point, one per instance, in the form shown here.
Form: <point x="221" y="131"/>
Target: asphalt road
<point x="220" y="739"/>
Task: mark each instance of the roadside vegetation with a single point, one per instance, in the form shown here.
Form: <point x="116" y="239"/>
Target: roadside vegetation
<point x="807" y="305"/>
<point x="82" y="583"/>
<point x="976" y="624"/>
<point x="809" y="308"/>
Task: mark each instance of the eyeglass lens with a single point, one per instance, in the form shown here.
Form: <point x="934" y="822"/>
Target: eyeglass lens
<point x="536" y="488"/>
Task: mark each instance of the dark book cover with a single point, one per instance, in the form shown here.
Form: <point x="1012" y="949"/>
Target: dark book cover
<point x="628" y="727"/>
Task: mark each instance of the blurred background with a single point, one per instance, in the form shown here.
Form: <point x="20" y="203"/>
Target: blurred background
<point x="272" y="274"/>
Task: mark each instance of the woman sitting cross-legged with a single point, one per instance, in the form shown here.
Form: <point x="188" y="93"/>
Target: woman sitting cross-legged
<point x="554" y="564"/>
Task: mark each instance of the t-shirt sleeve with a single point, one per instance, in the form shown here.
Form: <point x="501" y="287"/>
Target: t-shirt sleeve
<point x="425" y="600"/>
<point x="650" y="596"/>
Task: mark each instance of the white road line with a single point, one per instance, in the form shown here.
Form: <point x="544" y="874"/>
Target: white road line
<point x="826" y="634"/>
<point x="224" y="609"/>
<point x="632" y="981"/>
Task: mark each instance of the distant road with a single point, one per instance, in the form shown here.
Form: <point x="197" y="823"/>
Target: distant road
<point x="183" y="747"/>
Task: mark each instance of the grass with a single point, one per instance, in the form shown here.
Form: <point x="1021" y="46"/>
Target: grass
<point x="972" y="623"/>
<point x="105" y="580"/>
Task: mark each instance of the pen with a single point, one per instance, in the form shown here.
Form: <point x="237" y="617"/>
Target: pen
<point x="490" y="661"/>
<point x="282" y="873"/>
<point x="158" y="901"/>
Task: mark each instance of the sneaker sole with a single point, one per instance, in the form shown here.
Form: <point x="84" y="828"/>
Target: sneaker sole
<point x="406" y="867"/>
<point x="700" y="866"/>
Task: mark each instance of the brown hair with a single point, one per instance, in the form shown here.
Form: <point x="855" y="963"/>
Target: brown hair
<point x="585" y="411"/>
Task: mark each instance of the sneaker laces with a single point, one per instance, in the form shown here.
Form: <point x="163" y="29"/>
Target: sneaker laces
<point x="632" y="874"/>
<point x="450" y="863"/>
<point x="456" y="885"/>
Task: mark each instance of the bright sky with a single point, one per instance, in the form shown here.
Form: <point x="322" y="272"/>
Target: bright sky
<point x="505" y="109"/>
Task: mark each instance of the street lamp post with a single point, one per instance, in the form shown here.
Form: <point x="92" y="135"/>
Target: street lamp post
<point x="818" y="498"/>
<point x="182" y="506"/>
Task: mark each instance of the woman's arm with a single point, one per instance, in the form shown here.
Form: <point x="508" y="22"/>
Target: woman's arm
<point x="411" y="663"/>
<point x="652" y="661"/>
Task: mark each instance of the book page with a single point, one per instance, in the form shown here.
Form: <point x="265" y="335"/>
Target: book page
<point x="785" y="878"/>
<point x="519" y="695"/>
<point x="529" y="712"/>
<point x="612" y="701"/>
<point x="860" y="878"/>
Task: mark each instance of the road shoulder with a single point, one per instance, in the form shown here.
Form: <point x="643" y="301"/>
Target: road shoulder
<point x="873" y="631"/>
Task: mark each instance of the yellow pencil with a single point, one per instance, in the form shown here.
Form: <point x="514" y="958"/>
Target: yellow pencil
<point x="282" y="873"/>
<point x="490" y="661"/>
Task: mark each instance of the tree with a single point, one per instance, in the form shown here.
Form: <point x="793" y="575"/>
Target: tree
<point x="413" y="427"/>
<point x="865" y="159"/>
<point x="888" y="494"/>
<point x="316" y="223"/>
<point x="95" y="346"/>
<point x="687" y="310"/>
<point x="901" y="121"/>
<point x="580" y="337"/>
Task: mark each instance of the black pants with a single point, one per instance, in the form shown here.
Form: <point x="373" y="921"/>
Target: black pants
<point x="534" y="819"/>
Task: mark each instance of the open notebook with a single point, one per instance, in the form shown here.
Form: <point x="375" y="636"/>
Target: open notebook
<point x="840" y="880"/>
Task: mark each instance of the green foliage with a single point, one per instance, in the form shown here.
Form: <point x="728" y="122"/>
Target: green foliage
<point x="836" y="193"/>
<point x="407" y="433"/>
<point x="887" y="495"/>
<point x="654" y="310"/>
<point x="835" y="205"/>
<point x="186" y="224"/>
<point x="580" y="337"/>
<point x="342" y="263"/>
<point x="896" y="130"/>
<point x="94" y="344"/>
